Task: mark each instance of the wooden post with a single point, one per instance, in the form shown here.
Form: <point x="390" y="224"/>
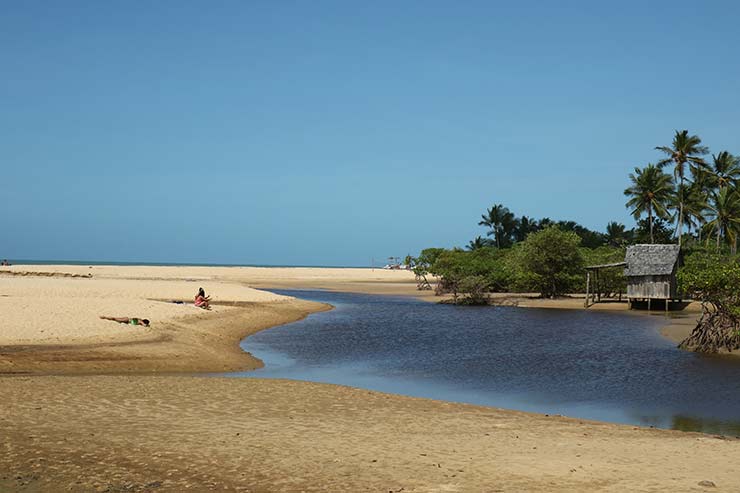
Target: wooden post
<point x="588" y="281"/>
<point x="666" y="307"/>
<point x="649" y="304"/>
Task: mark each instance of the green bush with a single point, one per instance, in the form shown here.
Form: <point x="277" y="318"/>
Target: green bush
<point x="712" y="278"/>
<point x="551" y="262"/>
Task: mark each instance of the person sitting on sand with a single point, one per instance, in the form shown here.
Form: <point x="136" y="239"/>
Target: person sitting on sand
<point x="201" y="300"/>
<point x="128" y="320"/>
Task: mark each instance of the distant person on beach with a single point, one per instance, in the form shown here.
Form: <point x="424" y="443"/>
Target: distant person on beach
<point x="128" y="320"/>
<point x="201" y="300"/>
<point x="5" y="262"/>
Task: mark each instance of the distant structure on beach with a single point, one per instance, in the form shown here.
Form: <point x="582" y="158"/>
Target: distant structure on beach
<point x="394" y="263"/>
<point x="651" y="273"/>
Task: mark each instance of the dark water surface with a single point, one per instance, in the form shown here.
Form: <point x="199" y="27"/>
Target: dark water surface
<point x="604" y="366"/>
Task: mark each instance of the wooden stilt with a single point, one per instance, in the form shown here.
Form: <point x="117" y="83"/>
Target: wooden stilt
<point x="588" y="281"/>
<point x="649" y="304"/>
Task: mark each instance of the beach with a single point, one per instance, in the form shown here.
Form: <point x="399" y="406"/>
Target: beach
<point x="93" y="405"/>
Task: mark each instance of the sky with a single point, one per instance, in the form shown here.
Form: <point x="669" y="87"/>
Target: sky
<point x="335" y="132"/>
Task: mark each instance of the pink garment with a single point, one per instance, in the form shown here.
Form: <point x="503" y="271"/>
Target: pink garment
<point x="200" y="301"/>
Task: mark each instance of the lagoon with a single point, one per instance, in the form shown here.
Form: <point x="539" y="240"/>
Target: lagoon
<point x="592" y="365"/>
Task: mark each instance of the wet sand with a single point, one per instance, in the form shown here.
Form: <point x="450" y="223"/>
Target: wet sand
<point x="162" y="432"/>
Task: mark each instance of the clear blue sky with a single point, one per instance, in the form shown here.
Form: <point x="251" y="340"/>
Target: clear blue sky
<point x="328" y="133"/>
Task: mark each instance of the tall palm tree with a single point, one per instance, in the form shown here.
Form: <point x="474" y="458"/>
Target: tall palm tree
<point x="724" y="215"/>
<point x="650" y="193"/>
<point x="501" y="222"/>
<point x="702" y="187"/>
<point x="725" y="169"/>
<point x="694" y="205"/>
<point x="684" y="150"/>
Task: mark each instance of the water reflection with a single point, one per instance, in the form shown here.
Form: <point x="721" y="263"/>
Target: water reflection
<point x="611" y="367"/>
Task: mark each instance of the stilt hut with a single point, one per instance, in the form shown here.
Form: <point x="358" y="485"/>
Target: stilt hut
<point x="651" y="273"/>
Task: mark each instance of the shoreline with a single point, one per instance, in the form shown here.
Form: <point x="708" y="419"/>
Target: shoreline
<point x="145" y="429"/>
<point x="189" y="345"/>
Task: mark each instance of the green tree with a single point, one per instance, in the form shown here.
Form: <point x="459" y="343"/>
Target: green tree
<point x="694" y="205"/>
<point x="616" y="234"/>
<point x="713" y="280"/>
<point x="724" y="215"/>
<point x="684" y="150"/>
<point x="659" y="228"/>
<point x="478" y="242"/>
<point x="525" y="225"/>
<point x="725" y="169"/>
<point x="501" y="223"/>
<point x="589" y="239"/>
<point x="552" y="261"/>
<point x="650" y="193"/>
<point x="422" y="264"/>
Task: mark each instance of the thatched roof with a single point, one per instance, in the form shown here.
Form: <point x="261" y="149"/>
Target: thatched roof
<point x="651" y="260"/>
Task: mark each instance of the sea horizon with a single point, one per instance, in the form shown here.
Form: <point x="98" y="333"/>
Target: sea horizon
<point x="178" y="264"/>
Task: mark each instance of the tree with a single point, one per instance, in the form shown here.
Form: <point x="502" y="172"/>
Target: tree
<point x="478" y="242"/>
<point x="501" y="222"/>
<point x="422" y="265"/>
<point x="589" y="239"/>
<point x="649" y="193"/>
<point x="659" y="228"/>
<point x="461" y="272"/>
<point x="552" y="261"/>
<point x="694" y="205"/>
<point x="724" y="215"/>
<point x="525" y="226"/>
<point x="684" y="150"/>
<point x="725" y="169"/>
<point x="616" y="235"/>
<point x="713" y="280"/>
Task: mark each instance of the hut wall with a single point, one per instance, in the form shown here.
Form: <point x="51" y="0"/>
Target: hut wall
<point x="655" y="287"/>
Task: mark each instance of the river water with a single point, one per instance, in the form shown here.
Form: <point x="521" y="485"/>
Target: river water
<point x="586" y="364"/>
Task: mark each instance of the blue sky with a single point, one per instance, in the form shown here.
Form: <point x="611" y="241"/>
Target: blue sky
<point x="329" y="133"/>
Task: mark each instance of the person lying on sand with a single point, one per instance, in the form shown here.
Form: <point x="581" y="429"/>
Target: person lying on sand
<point x="128" y="320"/>
<point x="201" y="300"/>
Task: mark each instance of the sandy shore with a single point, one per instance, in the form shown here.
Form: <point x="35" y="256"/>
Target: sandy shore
<point x="125" y="433"/>
<point x="52" y="324"/>
<point x="143" y="432"/>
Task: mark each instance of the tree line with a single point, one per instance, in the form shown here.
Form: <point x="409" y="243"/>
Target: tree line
<point x="547" y="256"/>
<point x="689" y="195"/>
<point x="701" y="193"/>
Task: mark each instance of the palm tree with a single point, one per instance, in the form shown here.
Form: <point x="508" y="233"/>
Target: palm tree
<point x="724" y="215"/>
<point x="545" y="222"/>
<point x="501" y="222"/>
<point x="524" y="226"/>
<point x="477" y="243"/>
<point x="694" y="205"/>
<point x="616" y="234"/>
<point x="650" y="192"/>
<point x="725" y="169"/>
<point x="684" y="150"/>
